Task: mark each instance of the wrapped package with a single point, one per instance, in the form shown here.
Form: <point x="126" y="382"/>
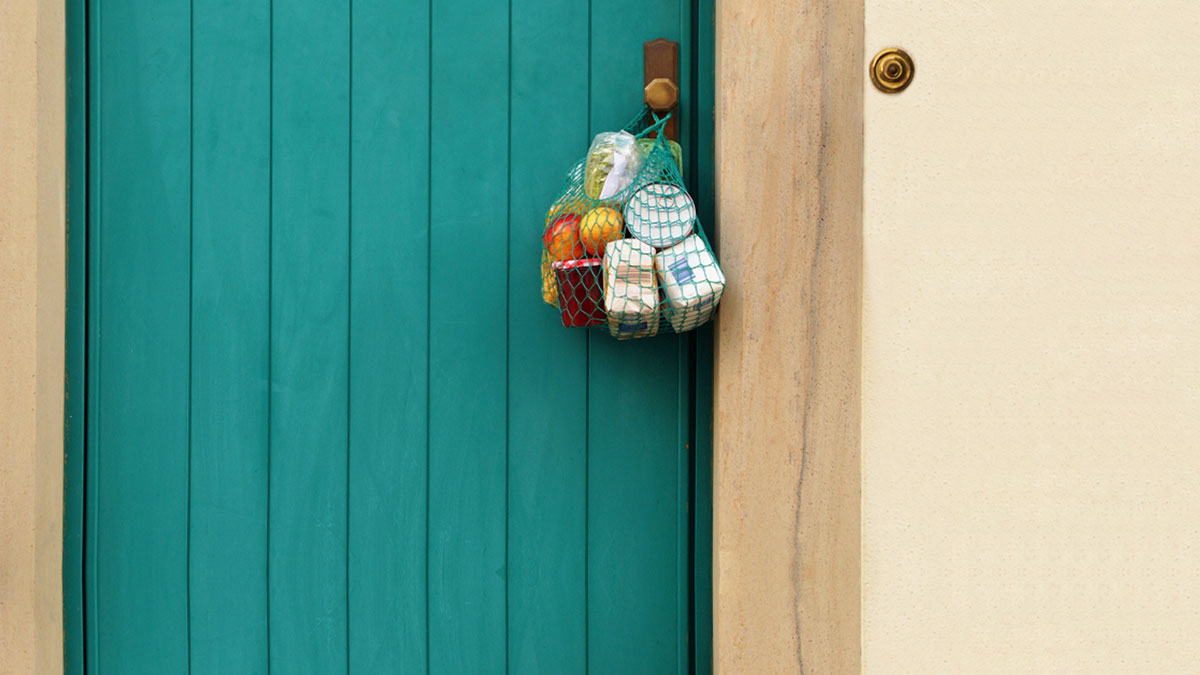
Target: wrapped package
<point x="580" y="292"/>
<point x="630" y="289"/>
<point x="613" y="161"/>
<point x="660" y="214"/>
<point x="692" y="281"/>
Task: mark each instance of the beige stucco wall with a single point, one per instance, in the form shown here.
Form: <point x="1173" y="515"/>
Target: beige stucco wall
<point x="32" y="305"/>
<point x="1031" y="349"/>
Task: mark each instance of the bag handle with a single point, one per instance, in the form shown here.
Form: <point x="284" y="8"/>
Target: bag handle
<point x="658" y="125"/>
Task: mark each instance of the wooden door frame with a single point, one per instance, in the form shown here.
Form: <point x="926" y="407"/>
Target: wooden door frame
<point x="786" y="389"/>
<point x="786" y="483"/>
<point x="32" y="312"/>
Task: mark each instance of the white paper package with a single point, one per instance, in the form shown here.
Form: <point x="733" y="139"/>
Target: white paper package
<point x="692" y="280"/>
<point x="630" y="289"/>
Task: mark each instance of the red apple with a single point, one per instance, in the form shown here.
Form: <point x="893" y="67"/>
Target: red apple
<point x="562" y="238"/>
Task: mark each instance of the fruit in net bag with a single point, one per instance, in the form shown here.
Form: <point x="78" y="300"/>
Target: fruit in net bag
<point x="600" y="226"/>
<point x="562" y="238"/>
<point x="623" y="243"/>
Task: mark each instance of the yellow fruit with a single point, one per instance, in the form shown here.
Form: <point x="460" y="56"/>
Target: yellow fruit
<point x="600" y="226"/>
<point x="570" y="203"/>
<point x="549" y="282"/>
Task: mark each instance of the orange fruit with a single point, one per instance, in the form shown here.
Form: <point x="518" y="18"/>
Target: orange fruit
<point x="600" y="226"/>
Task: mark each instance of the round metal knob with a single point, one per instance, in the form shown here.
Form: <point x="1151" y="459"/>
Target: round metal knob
<point x="892" y="70"/>
<point x="661" y="94"/>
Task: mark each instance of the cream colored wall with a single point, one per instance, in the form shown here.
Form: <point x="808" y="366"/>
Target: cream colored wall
<point x="1031" y="348"/>
<point x="32" y="305"/>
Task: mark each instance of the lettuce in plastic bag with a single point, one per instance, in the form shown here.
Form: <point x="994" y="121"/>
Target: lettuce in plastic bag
<point x="613" y="161"/>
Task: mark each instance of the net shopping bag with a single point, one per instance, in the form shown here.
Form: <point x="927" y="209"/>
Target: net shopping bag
<point x="623" y="246"/>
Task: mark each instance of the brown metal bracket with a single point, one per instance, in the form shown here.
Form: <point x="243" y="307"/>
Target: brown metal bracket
<point x="661" y="69"/>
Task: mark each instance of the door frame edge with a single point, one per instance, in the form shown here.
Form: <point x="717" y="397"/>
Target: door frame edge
<point x="33" y="291"/>
<point x="787" y="382"/>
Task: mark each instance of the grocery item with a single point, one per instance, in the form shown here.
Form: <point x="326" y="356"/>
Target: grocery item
<point x="624" y="205"/>
<point x="660" y="214"/>
<point x="630" y="289"/>
<point x="692" y="281"/>
<point x="600" y="226"/>
<point x="562" y="238"/>
<point x="549" y="282"/>
<point x="565" y="205"/>
<point x="580" y="292"/>
<point x="645" y="145"/>
<point x="613" y="161"/>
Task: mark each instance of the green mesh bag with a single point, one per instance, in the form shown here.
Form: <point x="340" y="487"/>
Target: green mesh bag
<point x="623" y="247"/>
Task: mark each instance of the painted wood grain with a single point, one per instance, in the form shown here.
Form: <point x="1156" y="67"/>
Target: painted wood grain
<point x="547" y="398"/>
<point x="75" y="394"/>
<point x="399" y="460"/>
<point x="389" y="376"/>
<point x="231" y="204"/>
<point x="789" y="179"/>
<point x="700" y="123"/>
<point x="142" y="240"/>
<point x="468" y="349"/>
<point x="310" y="195"/>
<point x="636" y="503"/>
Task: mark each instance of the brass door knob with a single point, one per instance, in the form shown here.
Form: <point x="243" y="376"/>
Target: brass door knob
<point x="892" y="70"/>
<point x="661" y="94"/>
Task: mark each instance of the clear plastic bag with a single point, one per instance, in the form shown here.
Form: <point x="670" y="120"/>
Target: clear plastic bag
<point x="613" y="161"/>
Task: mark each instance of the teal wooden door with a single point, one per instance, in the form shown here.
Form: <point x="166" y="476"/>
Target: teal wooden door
<point x="330" y="424"/>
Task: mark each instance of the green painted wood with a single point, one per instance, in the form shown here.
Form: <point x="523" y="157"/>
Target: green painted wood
<point x="309" y="340"/>
<point x="703" y="187"/>
<point x="637" y="619"/>
<point x="333" y="343"/>
<point x="547" y="405"/>
<point x="685" y="396"/>
<point x="389" y="349"/>
<point x="74" y="420"/>
<point x="468" y="356"/>
<point x="230" y="360"/>
<point x="142" y="242"/>
<point x="91" y="505"/>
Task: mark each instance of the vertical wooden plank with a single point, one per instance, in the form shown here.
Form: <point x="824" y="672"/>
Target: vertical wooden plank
<point x="787" y="388"/>
<point x="547" y="412"/>
<point x="700" y="121"/>
<point x="76" y="386"/>
<point x="634" y="621"/>
<point x="91" y="505"/>
<point x="468" y="350"/>
<point x="685" y="401"/>
<point x="142" y="238"/>
<point x="389" y="349"/>
<point x="309" y="336"/>
<point x="230" y="342"/>
<point x="636" y="499"/>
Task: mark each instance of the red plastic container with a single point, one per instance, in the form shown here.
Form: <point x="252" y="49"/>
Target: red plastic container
<point x="581" y="292"/>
